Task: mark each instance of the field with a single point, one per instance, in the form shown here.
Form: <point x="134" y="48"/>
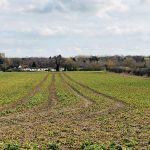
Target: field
<point x="74" y="111"/>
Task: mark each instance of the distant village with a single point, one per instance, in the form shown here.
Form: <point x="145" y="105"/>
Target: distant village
<point x="137" y="65"/>
<point x="38" y="69"/>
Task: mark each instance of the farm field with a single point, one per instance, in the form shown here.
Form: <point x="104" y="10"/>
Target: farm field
<point x="74" y="111"/>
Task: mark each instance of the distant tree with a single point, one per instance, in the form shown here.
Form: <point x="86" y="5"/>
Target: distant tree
<point x="93" y="59"/>
<point x="130" y="62"/>
<point x="138" y="58"/>
<point x="33" y="65"/>
<point x="2" y="65"/>
<point x="57" y="61"/>
<point x="69" y="64"/>
<point x="147" y="62"/>
<point x="16" y="62"/>
<point x="110" y="63"/>
<point x="1" y="61"/>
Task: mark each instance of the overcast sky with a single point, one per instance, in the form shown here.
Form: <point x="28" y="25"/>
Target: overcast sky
<point x="74" y="27"/>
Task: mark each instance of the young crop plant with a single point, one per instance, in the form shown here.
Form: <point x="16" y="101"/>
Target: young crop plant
<point x="42" y="95"/>
<point x="14" y="86"/>
<point x="69" y="107"/>
<point x="65" y="94"/>
<point x="89" y="145"/>
<point x="12" y="147"/>
<point x="52" y="146"/>
<point x="130" y="143"/>
<point x="101" y="101"/>
<point x="132" y="90"/>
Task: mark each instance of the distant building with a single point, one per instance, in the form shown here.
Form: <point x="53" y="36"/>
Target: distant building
<point x="52" y="70"/>
<point x="20" y="67"/>
<point x="35" y="69"/>
<point x="39" y="69"/>
<point x="61" y="69"/>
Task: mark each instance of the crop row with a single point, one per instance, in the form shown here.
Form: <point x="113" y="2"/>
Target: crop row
<point x="129" y="144"/>
<point x="65" y="95"/>
<point x="100" y="101"/>
<point x="14" y="86"/>
<point x="39" y="97"/>
<point x="42" y="95"/>
<point x="133" y="90"/>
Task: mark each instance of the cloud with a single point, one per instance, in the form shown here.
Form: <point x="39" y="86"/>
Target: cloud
<point x="111" y="6"/>
<point x="96" y="7"/>
<point x="145" y="1"/>
<point x="74" y="26"/>
<point x="55" y="30"/>
<point x="41" y="31"/>
<point x="50" y="31"/>
<point x="4" y="4"/>
<point x="127" y="30"/>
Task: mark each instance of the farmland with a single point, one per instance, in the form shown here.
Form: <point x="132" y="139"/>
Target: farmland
<point x="74" y="110"/>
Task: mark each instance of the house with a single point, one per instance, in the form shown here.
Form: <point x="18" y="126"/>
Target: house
<point x="35" y="69"/>
<point x="61" y="69"/>
<point x="52" y="70"/>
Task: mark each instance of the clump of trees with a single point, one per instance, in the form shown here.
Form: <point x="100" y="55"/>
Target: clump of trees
<point x="56" y="62"/>
<point x="4" y="62"/>
<point x="138" y="65"/>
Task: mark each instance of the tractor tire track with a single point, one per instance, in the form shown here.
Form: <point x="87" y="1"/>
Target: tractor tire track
<point x="52" y="98"/>
<point x="86" y="100"/>
<point x="51" y="102"/>
<point x="35" y="124"/>
<point x="33" y="116"/>
<point x="119" y="101"/>
<point x="26" y="98"/>
<point x="118" y="104"/>
<point x="114" y="108"/>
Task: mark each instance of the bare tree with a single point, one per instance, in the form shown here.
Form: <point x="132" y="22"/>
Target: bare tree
<point x="147" y="61"/>
<point x="57" y="61"/>
<point x="2" y="61"/>
<point x="130" y="62"/>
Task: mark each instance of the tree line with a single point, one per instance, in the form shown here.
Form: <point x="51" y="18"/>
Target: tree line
<point x="119" y="64"/>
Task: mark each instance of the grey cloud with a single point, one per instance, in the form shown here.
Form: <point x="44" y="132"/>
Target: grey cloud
<point x="145" y="1"/>
<point x="77" y="6"/>
<point x="63" y="6"/>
